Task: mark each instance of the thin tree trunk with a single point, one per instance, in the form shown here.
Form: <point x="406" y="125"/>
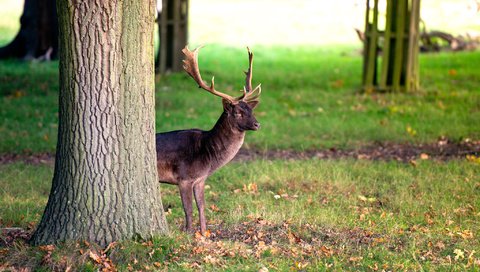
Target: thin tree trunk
<point x="105" y="185"/>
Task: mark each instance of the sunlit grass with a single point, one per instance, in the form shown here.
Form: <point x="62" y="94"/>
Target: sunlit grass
<point x="310" y="100"/>
<point x="414" y="216"/>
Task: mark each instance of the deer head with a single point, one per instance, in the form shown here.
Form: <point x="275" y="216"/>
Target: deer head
<point x="239" y="110"/>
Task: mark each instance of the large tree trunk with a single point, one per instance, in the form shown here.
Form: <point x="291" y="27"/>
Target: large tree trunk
<point x="105" y="185"/>
<point x="38" y="35"/>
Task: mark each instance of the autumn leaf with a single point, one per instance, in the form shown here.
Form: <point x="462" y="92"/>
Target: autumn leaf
<point x="466" y="234"/>
<point x="94" y="256"/>
<point x="214" y="208"/>
<point x="18" y="93"/>
<point x="424" y="156"/>
<point x="207" y="233"/>
<point x="337" y="83"/>
<point x="250" y="188"/>
<point x="326" y="250"/>
<point x="459" y="254"/>
<point x="110" y="246"/>
<point x="211" y="260"/>
<point x="47" y="247"/>
<point x="473" y="158"/>
<point x="301" y="265"/>
<point x="355" y="259"/>
<point x="412" y="132"/>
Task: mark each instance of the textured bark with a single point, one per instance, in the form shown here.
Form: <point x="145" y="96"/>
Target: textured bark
<point x="105" y="185"/>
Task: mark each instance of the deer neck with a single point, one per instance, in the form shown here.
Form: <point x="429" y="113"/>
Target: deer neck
<point x="223" y="142"/>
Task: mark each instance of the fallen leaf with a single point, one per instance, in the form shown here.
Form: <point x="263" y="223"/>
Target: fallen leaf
<point x="326" y="250"/>
<point x="214" y="208"/>
<point x="459" y="254"/>
<point x="473" y="158"/>
<point x="355" y="259"/>
<point x="94" y="256"/>
<point x="47" y="247"/>
<point x="301" y="265"/>
<point x="211" y="260"/>
<point x="411" y="131"/>
<point x="440" y="245"/>
<point x="18" y="93"/>
<point x="338" y="83"/>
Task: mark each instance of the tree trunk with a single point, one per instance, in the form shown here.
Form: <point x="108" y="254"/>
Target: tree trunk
<point x="38" y="35"/>
<point x="105" y="185"/>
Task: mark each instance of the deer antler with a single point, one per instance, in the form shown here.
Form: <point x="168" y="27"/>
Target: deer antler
<point x="190" y="65"/>
<point x="248" y="93"/>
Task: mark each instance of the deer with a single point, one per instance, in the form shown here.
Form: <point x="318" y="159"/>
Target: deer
<point x="186" y="158"/>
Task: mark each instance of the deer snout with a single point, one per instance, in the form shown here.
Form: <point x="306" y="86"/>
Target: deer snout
<point x="256" y="126"/>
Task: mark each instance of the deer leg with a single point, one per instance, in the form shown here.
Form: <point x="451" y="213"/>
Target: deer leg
<point x="186" y="196"/>
<point x="199" y="193"/>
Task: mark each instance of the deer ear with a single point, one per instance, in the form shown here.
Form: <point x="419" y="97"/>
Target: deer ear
<point x="227" y="105"/>
<point x="253" y="104"/>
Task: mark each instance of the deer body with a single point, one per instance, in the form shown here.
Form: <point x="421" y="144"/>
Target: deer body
<point x="193" y="154"/>
<point x="186" y="158"/>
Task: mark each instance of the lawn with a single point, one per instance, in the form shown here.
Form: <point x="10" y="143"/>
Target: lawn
<point x="284" y="213"/>
<point x="281" y="215"/>
<point x="310" y="92"/>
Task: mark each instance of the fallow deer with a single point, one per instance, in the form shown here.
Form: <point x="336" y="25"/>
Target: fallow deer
<point x="186" y="158"/>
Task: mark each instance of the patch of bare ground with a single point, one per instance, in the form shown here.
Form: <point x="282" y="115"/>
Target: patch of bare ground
<point x="34" y="159"/>
<point x="9" y="235"/>
<point x="443" y="149"/>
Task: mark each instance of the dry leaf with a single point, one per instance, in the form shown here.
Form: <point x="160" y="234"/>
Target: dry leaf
<point x="214" y="208"/>
<point x="47" y="248"/>
<point x="94" y="256"/>
<point x="355" y="259"/>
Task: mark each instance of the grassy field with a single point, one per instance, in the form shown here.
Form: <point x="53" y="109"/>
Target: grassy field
<point x="310" y="92"/>
<point x="277" y="215"/>
<point x="302" y="215"/>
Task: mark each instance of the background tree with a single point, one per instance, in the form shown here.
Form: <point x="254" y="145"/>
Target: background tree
<point x="105" y="183"/>
<point x="38" y="34"/>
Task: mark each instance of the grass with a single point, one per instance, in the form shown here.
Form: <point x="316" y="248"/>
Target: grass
<point x="316" y="214"/>
<point x="311" y="92"/>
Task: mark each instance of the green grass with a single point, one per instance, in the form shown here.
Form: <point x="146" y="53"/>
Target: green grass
<point x="350" y="215"/>
<point x="310" y="100"/>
